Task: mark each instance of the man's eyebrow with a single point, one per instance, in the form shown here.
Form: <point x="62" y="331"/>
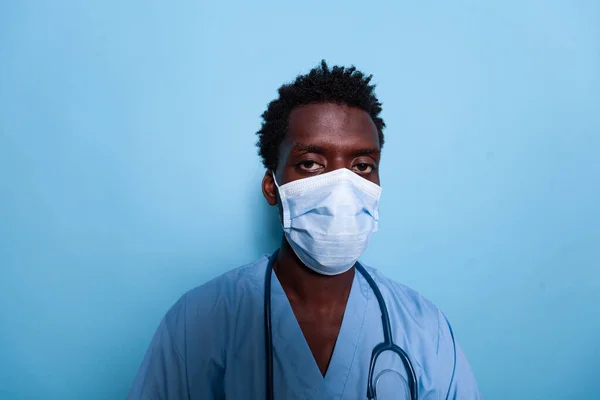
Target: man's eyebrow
<point x="366" y="151"/>
<point x="308" y="148"/>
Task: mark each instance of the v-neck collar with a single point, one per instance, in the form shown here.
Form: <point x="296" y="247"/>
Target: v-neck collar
<point x="293" y="355"/>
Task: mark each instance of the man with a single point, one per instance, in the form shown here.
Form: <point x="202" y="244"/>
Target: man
<point x="314" y="336"/>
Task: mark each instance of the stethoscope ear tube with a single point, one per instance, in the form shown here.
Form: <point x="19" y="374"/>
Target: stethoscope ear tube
<point x="388" y="343"/>
<point x="268" y="329"/>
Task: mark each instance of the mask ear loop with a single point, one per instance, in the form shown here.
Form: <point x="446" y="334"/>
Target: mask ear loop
<point x="281" y="209"/>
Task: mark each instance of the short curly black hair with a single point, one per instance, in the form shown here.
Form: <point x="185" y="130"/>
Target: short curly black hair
<point x="341" y="85"/>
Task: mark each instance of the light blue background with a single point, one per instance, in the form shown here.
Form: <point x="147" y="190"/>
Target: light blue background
<point x="128" y="174"/>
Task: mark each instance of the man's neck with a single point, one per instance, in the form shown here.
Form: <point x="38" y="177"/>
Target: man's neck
<point x="308" y="288"/>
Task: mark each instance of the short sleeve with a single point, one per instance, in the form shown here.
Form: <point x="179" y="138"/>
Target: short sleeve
<point x="163" y="375"/>
<point x="455" y="374"/>
<point x="191" y="330"/>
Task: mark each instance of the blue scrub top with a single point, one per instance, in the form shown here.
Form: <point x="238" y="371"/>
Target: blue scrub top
<point x="210" y="345"/>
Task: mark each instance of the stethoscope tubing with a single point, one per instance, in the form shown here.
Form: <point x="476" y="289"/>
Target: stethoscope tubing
<point x="387" y="345"/>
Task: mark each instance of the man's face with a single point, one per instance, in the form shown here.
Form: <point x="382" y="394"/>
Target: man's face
<point x="322" y="138"/>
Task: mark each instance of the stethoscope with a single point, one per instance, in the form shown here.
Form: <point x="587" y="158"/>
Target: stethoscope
<point x="387" y="344"/>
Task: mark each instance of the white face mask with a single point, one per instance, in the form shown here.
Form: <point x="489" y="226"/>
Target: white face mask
<point x="329" y="218"/>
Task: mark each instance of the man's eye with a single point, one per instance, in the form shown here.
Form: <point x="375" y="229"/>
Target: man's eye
<point x="364" y="167"/>
<point x="309" y="166"/>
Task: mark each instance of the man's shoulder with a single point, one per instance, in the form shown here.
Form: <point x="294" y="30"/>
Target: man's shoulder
<point x="231" y="283"/>
<point x="221" y="292"/>
<point x="405" y="298"/>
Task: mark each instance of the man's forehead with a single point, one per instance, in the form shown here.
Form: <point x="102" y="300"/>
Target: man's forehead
<point x="327" y="124"/>
<point x="329" y="116"/>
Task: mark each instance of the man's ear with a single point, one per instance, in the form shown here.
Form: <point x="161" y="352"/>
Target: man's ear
<point x="269" y="189"/>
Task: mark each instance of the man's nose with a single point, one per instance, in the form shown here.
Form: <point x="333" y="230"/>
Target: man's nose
<point x="337" y="163"/>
